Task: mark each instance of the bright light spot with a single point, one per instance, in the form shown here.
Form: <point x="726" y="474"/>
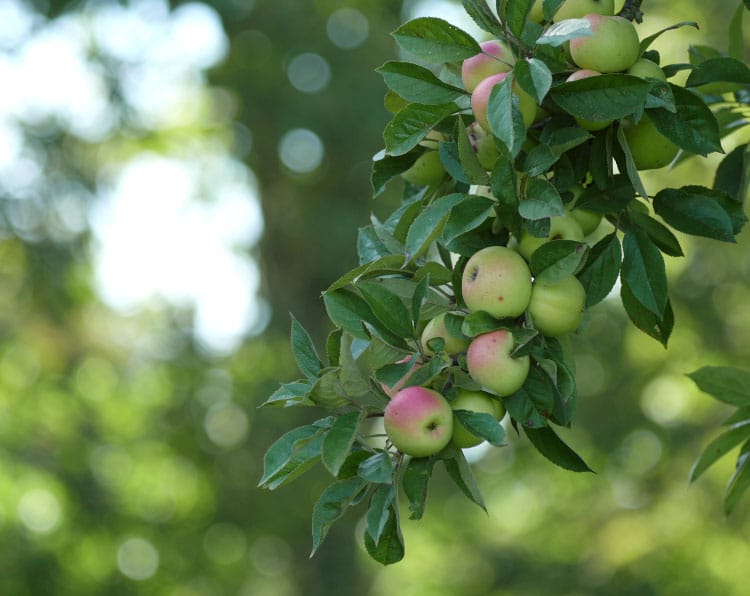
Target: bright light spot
<point x="640" y="452"/>
<point x="137" y="559"/>
<point x="226" y="425"/>
<point x="309" y="73"/>
<point x="111" y="465"/>
<point x="40" y="511"/>
<point x="444" y="9"/>
<point x="664" y="400"/>
<point x="225" y="543"/>
<point x="301" y="150"/>
<point x="627" y="494"/>
<point x="347" y="28"/>
<point x="15" y="23"/>
<point x="196" y="36"/>
<point x="477" y="453"/>
<point x="271" y="555"/>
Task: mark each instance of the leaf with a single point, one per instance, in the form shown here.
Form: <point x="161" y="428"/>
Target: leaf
<point x="436" y="40"/>
<point x="564" y="31"/>
<point x="602" y="269"/>
<point x="726" y="70"/>
<point x="415" y="483"/>
<point x="515" y="14"/>
<point x="719" y="447"/>
<point x="466" y="216"/>
<point x="504" y="116"/>
<point x="736" y="36"/>
<point x="304" y="351"/>
<point x="377" y="468"/>
<point x="420" y="293"/>
<point x="409" y="126"/>
<point x="460" y="472"/>
<point x="475" y="173"/>
<point x="542" y="200"/>
<point x="643" y="271"/>
<point x="534" y="77"/>
<point x="389" y="265"/>
<point x="557" y="259"/>
<point x="523" y="410"/>
<point x="647" y="41"/>
<point x="482" y="16"/>
<point x="659" y="327"/>
<point x="327" y="392"/>
<point x="550" y="7"/>
<point x="385" y="167"/>
<point x="695" y="210"/>
<point x="281" y="451"/>
<point x="390" y="547"/>
<point x="369" y="246"/>
<point x="379" y="511"/>
<point x="630" y="167"/>
<point x="479" y="322"/>
<point x="727" y="384"/>
<point x="429" y="224"/>
<point x="482" y="425"/>
<point x="290" y="394"/>
<point x="555" y="450"/>
<point x="659" y="234"/>
<point x="738" y="483"/>
<point x="602" y="98"/>
<point x="417" y="84"/>
<point x="339" y="440"/>
<point x="348" y="310"/>
<point x="387" y="307"/>
<point x="331" y="505"/>
<point x="731" y="174"/>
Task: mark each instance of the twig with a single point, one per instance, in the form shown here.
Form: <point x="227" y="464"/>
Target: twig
<point x="632" y="11"/>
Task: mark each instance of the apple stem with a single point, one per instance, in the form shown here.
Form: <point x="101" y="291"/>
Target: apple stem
<point x="632" y="11"/>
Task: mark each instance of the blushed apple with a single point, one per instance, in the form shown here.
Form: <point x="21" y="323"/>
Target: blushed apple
<point x="473" y="401"/>
<point x="495" y="58"/>
<point x="613" y="47"/>
<point x="418" y="421"/>
<point x="557" y="308"/>
<point x="436" y="328"/>
<point x="491" y="365"/>
<point x="481" y="96"/>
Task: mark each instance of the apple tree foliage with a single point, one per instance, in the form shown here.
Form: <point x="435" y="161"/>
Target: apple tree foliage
<point x="412" y="262"/>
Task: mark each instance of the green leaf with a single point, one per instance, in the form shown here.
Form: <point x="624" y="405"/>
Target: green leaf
<point x="438" y="274"/>
<point x="390" y="547"/>
<point x="460" y="472"/>
<point x="369" y="246"/>
<point x="647" y="41"/>
<point x="389" y="265"/>
<point x="436" y="40"/>
<point x="643" y="271"/>
<point x="379" y="511"/>
<point x="482" y="16"/>
<point x="385" y="167"/>
<point x="482" y="425"/>
<point x="479" y="322"/>
<point x="504" y="116"/>
<point x="736" y="35"/>
<point x="555" y="450"/>
<point x="659" y="233"/>
<point x="377" y="468"/>
<point x="420" y="293"/>
<point x="348" y="310"/>
<point x="659" y="327"/>
<point x="739" y="482"/>
<point x="719" y="447"/>
<point x="515" y="14"/>
<point x="534" y="77"/>
<point x="429" y="224"/>
<point x="333" y="346"/>
<point x="411" y="125"/>
<point x="289" y="395"/>
<point x="331" y="505"/>
<point x="417" y="84"/>
<point x="726" y="70"/>
<point x="564" y="31"/>
<point x="280" y="453"/>
<point x="415" y="482"/>
<point x="339" y="440"/>
<point x="602" y="98"/>
<point x="630" y="167"/>
<point x="693" y="127"/>
<point x="542" y="200"/>
<point x="732" y="173"/>
<point x="387" y="307"/>
<point x="695" y="210"/>
<point x="304" y="351"/>
<point x="550" y="7"/>
<point x="467" y="215"/>
<point x="328" y="392"/>
<point x="475" y="173"/>
<point x="557" y="259"/>
<point x="740" y="415"/>
<point x="727" y="384"/>
<point x="522" y="410"/>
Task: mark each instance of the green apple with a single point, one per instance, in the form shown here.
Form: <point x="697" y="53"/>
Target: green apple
<point x="426" y="171"/>
<point x="613" y="47"/>
<point x="436" y="328"/>
<point x="588" y="220"/>
<point x="536" y="14"/>
<point x="473" y="401"/>
<point x="418" y="421"/>
<point x="561" y="227"/>
<point x="483" y="145"/>
<point x="651" y="149"/>
<point x="577" y="9"/>
<point x="491" y="365"/>
<point x="557" y="308"/>
<point x="495" y="58"/>
<point x="498" y="281"/>
<point x="585" y="73"/>
<point x="389" y="390"/>
<point x="481" y="96"/>
<point x="645" y="69"/>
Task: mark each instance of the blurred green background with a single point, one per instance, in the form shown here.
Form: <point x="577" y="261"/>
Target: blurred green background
<point x="174" y="180"/>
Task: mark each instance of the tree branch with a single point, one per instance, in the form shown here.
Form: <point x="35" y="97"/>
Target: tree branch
<point x="632" y="11"/>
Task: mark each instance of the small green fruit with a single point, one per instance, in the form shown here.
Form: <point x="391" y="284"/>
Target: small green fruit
<point x="436" y="328"/>
<point x="557" y="308"/>
<point x="498" y="281"/>
<point x="651" y="149"/>
<point x="491" y="365"/>
<point x="426" y="171"/>
<point x="645" y="69"/>
<point x="473" y="401"/>
<point x="613" y="47"/>
<point x="561" y="227"/>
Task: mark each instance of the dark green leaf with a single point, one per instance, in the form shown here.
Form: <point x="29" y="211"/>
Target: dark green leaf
<point x="533" y="77"/>
<point x="333" y="346"/>
<point x="504" y="116"/>
<point x="482" y="425"/>
<point x="727" y="384"/>
<point x="468" y="215"/>
<point x="387" y="307"/>
<point x="564" y="31"/>
<point x="554" y="449"/>
<point x="348" y="310"/>
<point x="602" y="98"/>
<point x="304" y="351"/>
<point x="557" y="259"/>
<point x="659" y="234"/>
<point x="351" y="463"/>
<point x="436" y="40"/>
<point x="415" y="483"/>
<point x="719" y="447"/>
<point x="379" y="511"/>
<point x="331" y="505"/>
<point x="695" y="210"/>
<point x="657" y="326"/>
<point x="643" y="271"/>
<point x="550" y="7"/>
<point x="516" y="12"/>
<point x="732" y="173"/>
<point x="339" y="440"/>
<point x="740" y="415"/>
<point x="390" y="547"/>
<point x="369" y="246"/>
<point x="479" y="322"/>
<point x="429" y="224"/>
<point x="279" y="454"/>
<point x="460" y="472"/>
<point x="542" y="200"/>
<point x="451" y="160"/>
<point x="729" y="70"/>
<point x="385" y="167"/>
<point x="739" y="482"/>
<point x="630" y="167"/>
<point x="420" y="293"/>
<point x="438" y="274"/>
<point x="736" y="35"/>
<point x="390" y="264"/>
<point x="482" y="15"/>
<point x="377" y="468"/>
<point x="328" y="392"/>
<point x="417" y="84"/>
<point x="290" y="394"/>
<point x="522" y="410"/>
<point x="411" y="125"/>
<point x="475" y="173"/>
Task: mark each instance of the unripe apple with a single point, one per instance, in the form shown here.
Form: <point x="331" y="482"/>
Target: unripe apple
<point x="585" y="73"/>
<point x="576" y="9"/>
<point x="483" y="145"/>
<point x="588" y="220"/>
<point x="557" y="308"/>
<point x="650" y="148"/>
<point x="436" y="328"/>
<point x="491" y="365"/>
<point x="426" y="171"/>
<point x="498" y="281"/>
<point x="495" y="58"/>
<point x="481" y="96"/>
<point x="645" y="69"/>
<point x="613" y="47"/>
<point x="390" y="391"/>
<point x="418" y="421"/>
<point x="473" y="401"/>
<point x="561" y="227"/>
<point x="536" y="14"/>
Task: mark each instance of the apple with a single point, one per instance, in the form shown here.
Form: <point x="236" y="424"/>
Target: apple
<point x="577" y="9"/>
<point x="426" y="171"/>
<point x="483" y="145"/>
<point x="557" y="308"/>
<point x="495" y="58"/>
<point x="588" y="220"/>
<point x="436" y="328"/>
<point x="389" y="390"/>
<point x="498" y="281"/>
<point x="651" y="149"/>
<point x="491" y="365"/>
<point x="480" y="98"/>
<point x="561" y="227"/>
<point x="418" y="421"/>
<point x="645" y="69"/>
<point x="473" y="401"/>
<point x="585" y="73"/>
<point x="536" y="14"/>
<point x="613" y="47"/>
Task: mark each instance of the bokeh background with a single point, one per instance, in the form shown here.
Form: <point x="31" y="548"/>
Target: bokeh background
<point x="174" y="180"/>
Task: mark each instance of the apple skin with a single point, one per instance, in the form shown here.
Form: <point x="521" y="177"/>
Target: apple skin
<point x="495" y="58"/>
<point x="418" y="421"/>
<point x="483" y="145"/>
<point x="577" y="9"/>
<point x="391" y="391"/>
<point x="592" y="125"/>
<point x="651" y="149"/>
<point x="588" y="220"/>
<point x="498" y="281"/>
<point x="473" y="401"/>
<point x="614" y="46"/>
<point x="436" y="328"/>
<point x="561" y="227"/>
<point x="557" y="308"/>
<point x="480" y="99"/>
<point x="426" y="171"/>
<point x="491" y="365"/>
<point x="645" y="69"/>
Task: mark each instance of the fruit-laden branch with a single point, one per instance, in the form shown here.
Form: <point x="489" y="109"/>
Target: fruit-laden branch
<point x="632" y="11"/>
